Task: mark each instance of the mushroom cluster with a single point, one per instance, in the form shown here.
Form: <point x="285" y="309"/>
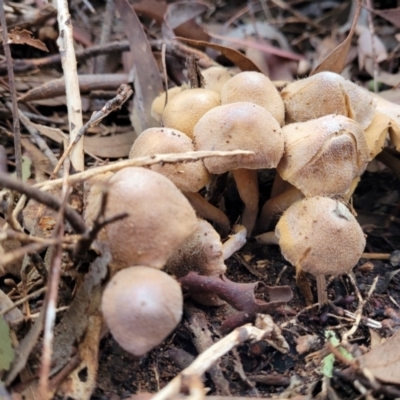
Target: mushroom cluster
<point x="319" y="133"/>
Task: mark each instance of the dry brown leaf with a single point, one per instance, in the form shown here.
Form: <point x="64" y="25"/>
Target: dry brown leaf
<point x="109" y="146"/>
<point x="147" y="80"/>
<point x="336" y="60"/>
<point x="392" y="15"/>
<point x="22" y="36"/>
<point x="179" y="13"/>
<point x="236" y="57"/>
<point x="383" y="361"/>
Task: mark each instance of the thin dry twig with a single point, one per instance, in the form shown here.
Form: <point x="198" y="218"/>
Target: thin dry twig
<point x="13" y="92"/>
<point x="50" y="304"/>
<point x="141" y="162"/>
<point x="206" y="359"/>
<point x="68" y="60"/>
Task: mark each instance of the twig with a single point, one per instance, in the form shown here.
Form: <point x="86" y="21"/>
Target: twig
<point x="50" y="304"/>
<point x="47" y="199"/>
<point x="13" y="92"/>
<point x="21" y="301"/>
<point x="206" y="359"/>
<point x="68" y="60"/>
<point x="140" y="162"/>
<point x="124" y="92"/>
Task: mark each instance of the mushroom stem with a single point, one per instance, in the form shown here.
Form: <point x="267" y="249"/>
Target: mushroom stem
<point x="267" y="238"/>
<point x="322" y="290"/>
<point x="277" y="205"/>
<point x="206" y="210"/>
<point x="247" y="186"/>
<point x="304" y="285"/>
<point x="279" y="186"/>
<point x="235" y="241"/>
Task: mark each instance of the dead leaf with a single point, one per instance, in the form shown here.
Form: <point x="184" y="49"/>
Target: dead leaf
<point x="392" y="15"/>
<point x="235" y="56"/>
<point x="241" y="296"/>
<point x="336" y="60"/>
<point x="369" y="46"/>
<point x="147" y="80"/>
<point x="22" y="36"/>
<point x="115" y="146"/>
<point x="383" y="361"/>
<point x="382" y="76"/>
<point x="156" y="10"/>
<point x="179" y="13"/>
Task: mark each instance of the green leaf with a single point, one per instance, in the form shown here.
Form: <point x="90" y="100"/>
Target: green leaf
<point x="6" y="350"/>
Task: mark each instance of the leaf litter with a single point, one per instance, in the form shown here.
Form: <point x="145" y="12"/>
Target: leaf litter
<point x="86" y="362"/>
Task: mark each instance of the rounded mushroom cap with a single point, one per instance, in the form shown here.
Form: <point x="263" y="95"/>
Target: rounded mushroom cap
<point x="323" y="156"/>
<point x="327" y="93"/>
<point x="320" y="236"/>
<point x="160" y="218"/>
<point x="201" y="252"/>
<point x="184" y="110"/>
<point x="256" y="88"/>
<point x="215" y="78"/>
<point x="244" y="126"/>
<point x="141" y="306"/>
<point x="158" y="104"/>
<point x="188" y="177"/>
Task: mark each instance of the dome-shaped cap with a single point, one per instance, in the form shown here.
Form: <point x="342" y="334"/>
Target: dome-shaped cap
<point x="188" y="177"/>
<point x="256" y="88"/>
<point x="327" y="93"/>
<point x="160" y="218"/>
<point x="141" y="306"/>
<point x="320" y="236"/>
<point x="323" y="156"/>
<point x="184" y="110"/>
<point x="244" y="126"/>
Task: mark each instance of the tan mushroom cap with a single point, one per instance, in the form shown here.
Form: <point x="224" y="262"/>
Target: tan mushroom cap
<point x="215" y="78"/>
<point x="141" y="306"/>
<point x="244" y="126"/>
<point x="188" y="177"/>
<point x="320" y="236"/>
<point x="323" y="156"/>
<point x="256" y="88"/>
<point x="201" y="252"/>
<point x="158" y="104"/>
<point x="160" y="218"/>
<point x="327" y="93"/>
<point x="186" y="108"/>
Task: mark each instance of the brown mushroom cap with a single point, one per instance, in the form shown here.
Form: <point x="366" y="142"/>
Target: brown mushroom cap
<point x="320" y="236"/>
<point x="158" y="104"/>
<point x="141" y="306"/>
<point x="256" y="88"/>
<point x="215" y="78"/>
<point x="160" y="218"/>
<point x="244" y="126"/>
<point x="327" y="93"/>
<point x="186" y="108"/>
<point x="323" y="156"/>
<point x="201" y="252"/>
<point x="188" y="177"/>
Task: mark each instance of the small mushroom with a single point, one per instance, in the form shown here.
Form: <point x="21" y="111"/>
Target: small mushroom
<point x="244" y="126"/>
<point x="188" y="177"/>
<point x="215" y="78"/>
<point x="327" y="93"/>
<point x="141" y="306"/>
<point x="319" y="235"/>
<point x="256" y="88"/>
<point x="159" y="103"/>
<point x="184" y="110"/>
<point x="159" y="218"/>
<point x="323" y="156"/>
